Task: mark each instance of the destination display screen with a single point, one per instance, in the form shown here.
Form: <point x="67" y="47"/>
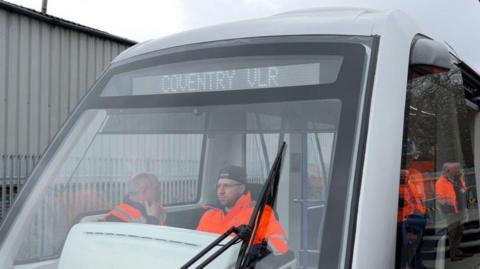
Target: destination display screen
<point x="225" y="80"/>
<point x="255" y="74"/>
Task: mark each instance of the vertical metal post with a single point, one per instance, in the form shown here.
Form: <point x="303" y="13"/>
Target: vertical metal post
<point x="28" y="158"/>
<point x="322" y="162"/>
<point x="10" y="181"/>
<point x="3" y="185"/>
<point x="19" y="173"/>
<point x="44" y="6"/>
<point x="262" y="141"/>
<point x="305" y="200"/>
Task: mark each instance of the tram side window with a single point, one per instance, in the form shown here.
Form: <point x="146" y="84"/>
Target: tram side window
<point x="437" y="221"/>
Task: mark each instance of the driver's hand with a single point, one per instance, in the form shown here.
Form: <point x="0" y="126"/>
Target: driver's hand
<point x="156" y="209"/>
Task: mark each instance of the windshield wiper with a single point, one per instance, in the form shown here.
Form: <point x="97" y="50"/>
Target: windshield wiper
<point x="246" y="232"/>
<point x="268" y="195"/>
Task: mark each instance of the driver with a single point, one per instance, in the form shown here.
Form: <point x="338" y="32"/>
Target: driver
<point x="235" y="207"/>
<point x="141" y="204"/>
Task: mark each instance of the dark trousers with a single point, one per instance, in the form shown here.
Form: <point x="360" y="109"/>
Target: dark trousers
<point x="408" y="252"/>
<point x="455" y="233"/>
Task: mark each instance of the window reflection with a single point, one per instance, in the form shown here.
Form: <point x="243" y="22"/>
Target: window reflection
<point x="438" y="212"/>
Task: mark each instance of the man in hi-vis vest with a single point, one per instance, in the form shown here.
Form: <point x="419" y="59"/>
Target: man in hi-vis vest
<point x="235" y="207"/>
<point x="449" y="188"/>
<point x="142" y="202"/>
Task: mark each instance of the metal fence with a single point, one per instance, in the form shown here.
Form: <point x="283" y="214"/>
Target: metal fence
<point x="86" y="186"/>
<point x="100" y="183"/>
<point x="14" y="170"/>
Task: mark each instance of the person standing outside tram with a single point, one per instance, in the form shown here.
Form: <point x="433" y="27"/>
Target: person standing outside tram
<point x="449" y="188"/>
<point x="411" y="222"/>
<point x="235" y="207"/>
<point x="416" y="185"/>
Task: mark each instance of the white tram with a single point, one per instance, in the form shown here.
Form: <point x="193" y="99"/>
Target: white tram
<point x="357" y="95"/>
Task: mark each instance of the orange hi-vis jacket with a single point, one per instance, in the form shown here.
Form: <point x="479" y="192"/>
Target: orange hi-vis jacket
<point x="445" y="192"/>
<point x="411" y="203"/>
<point x="131" y="211"/>
<point x="418" y="199"/>
<point x="214" y="220"/>
<point x="127" y="213"/>
<point x="416" y="180"/>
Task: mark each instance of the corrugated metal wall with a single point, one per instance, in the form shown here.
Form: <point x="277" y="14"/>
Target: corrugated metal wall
<point x="44" y="71"/>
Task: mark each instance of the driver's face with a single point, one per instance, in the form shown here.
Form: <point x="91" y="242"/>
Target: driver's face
<point x="228" y="191"/>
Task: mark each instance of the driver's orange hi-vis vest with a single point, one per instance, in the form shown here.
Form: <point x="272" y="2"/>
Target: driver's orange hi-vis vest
<point x="216" y="221"/>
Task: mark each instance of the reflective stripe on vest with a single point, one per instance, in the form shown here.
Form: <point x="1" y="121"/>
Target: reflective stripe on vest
<point x="277" y="248"/>
<point x="121" y="212"/>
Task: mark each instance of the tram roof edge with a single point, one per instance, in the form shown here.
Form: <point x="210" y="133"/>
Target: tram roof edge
<point x="315" y="21"/>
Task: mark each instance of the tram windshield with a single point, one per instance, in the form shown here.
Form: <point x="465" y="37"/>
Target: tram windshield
<point x="184" y="117"/>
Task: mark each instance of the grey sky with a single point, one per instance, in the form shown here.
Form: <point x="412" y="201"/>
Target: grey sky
<point x="457" y="22"/>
